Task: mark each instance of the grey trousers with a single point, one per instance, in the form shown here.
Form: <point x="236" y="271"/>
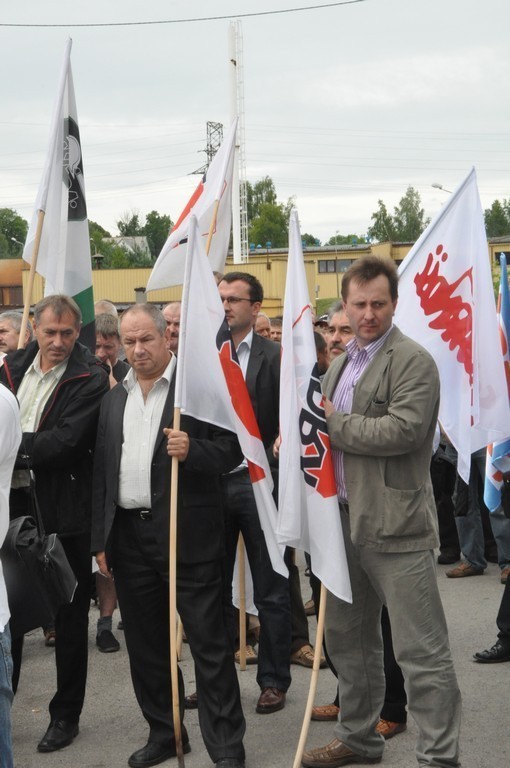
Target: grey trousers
<point x="406" y="583"/>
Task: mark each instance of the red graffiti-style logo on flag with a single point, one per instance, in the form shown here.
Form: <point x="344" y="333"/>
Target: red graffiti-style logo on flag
<point x="454" y="315"/>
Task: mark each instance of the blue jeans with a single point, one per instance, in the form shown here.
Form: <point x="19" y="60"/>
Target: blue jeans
<point x="470" y="527"/>
<point x="6" y="697"/>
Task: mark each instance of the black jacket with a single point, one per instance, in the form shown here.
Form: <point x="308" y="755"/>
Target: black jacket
<point x="60" y="451"/>
<point x="212" y="451"/>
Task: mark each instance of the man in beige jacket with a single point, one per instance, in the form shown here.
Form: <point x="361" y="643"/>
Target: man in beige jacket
<point x="383" y="398"/>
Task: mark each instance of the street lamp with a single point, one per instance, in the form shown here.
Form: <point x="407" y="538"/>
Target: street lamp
<point x="440" y="186"/>
<point x="13" y="239"/>
<point x="268" y="246"/>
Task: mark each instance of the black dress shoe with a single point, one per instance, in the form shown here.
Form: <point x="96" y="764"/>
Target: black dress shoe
<point x="229" y="762"/>
<point x="191" y="701"/>
<point x="499" y="652"/>
<point x="155" y="752"/>
<point x="107" y="642"/>
<point x="60" y="734"/>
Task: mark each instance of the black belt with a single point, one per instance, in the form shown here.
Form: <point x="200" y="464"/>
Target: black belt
<point x="143" y="514"/>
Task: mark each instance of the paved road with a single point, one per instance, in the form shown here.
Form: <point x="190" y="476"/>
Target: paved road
<point x="112" y="727"/>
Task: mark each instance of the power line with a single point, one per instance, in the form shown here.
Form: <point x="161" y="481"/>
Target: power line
<point x="189" y="20"/>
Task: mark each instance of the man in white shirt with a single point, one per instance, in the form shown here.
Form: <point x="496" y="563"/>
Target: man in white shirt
<point x="130" y="534"/>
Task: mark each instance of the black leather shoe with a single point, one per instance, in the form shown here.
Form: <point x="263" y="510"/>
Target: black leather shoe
<point x="155" y="752"/>
<point x="60" y="734"/>
<point x="107" y="642"/>
<point x="499" y="652"/>
<point x="229" y="762"/>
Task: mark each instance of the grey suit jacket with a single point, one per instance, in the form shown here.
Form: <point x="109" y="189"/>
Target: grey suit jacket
<point x="387" y="445"/>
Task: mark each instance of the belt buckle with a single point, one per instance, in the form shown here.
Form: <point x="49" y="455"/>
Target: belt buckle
<point x="145" y="514"/>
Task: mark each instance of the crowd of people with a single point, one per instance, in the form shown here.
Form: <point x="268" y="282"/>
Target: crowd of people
<point x="95" y="437"/>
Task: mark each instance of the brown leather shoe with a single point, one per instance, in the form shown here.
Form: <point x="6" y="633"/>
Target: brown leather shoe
<point x="270" y="700"/>
<point x="251" y="655"/>
<point x="505" y="573"/>
<point x="334" y="754"/>
<point x="464" y="569"/>
<point x="389" y="729"/>
<point x="325" y="712"/>
<point x="304" y="656"/>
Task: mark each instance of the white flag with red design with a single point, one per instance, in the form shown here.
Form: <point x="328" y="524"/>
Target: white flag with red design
<point x="210" y="384"/>
<point x="214" y="188"/>
<point x="446" y="303"/>
<point x="308" y="514"/>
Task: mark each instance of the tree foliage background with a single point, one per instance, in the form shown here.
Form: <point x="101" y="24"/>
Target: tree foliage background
<point x="405" y="225"/>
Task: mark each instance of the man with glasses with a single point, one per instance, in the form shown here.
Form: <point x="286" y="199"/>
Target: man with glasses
<point x="259" y="358"/>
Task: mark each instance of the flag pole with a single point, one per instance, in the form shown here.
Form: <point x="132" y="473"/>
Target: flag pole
<point x="313" y="680"/>
<point x="174" y="672"/>
<point x="31" y="276"/>
<point x="242" y="602"/>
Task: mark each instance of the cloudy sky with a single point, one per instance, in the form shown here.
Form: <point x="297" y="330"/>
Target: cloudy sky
<point x="343" y="104"/>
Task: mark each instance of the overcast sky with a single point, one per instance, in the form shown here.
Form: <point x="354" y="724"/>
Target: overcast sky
<point x="343" y="105"/>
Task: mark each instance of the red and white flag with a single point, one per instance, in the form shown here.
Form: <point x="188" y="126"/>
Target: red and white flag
<point x="446" y="303"/>
<point x="210" y="384"/>
<point x="214" y="188"/>
<point x="308" y="514"/>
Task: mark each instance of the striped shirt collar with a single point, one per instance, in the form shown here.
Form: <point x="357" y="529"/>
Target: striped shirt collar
<point x="353" y="350"/>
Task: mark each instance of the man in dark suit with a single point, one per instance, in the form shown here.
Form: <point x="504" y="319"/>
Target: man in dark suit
<point x="130" y="538"/>
<point x="259" y="359"/>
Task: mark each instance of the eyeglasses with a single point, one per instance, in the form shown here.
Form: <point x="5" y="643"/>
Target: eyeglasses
<point x="234" y="300"/>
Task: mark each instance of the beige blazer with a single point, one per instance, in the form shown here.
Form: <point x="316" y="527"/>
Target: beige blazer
<point x="387" y="445"/>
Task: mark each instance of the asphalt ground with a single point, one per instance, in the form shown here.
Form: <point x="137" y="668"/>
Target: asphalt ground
<point x="112" y="727"/>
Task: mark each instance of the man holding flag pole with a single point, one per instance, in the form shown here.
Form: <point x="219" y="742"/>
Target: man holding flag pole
<point x="383" y="399"/>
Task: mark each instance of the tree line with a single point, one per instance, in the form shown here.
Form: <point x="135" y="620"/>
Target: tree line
<point x="268" y="227"/>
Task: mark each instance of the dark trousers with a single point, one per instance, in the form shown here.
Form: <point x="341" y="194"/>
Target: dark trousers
<point x="503" y="619"/>
<point x="141" y="577"/>
<point x="270" y="589"/>
<point x="71" y="627"/>
<point x="299" y="623"/>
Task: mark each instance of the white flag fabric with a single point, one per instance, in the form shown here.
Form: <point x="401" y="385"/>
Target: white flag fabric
<point x="64" y="251"/>
<point x="308" y="513"/>
<point x="446" y="303"/>
<point x="210" y="384"/>
<point x="216" y="185"/>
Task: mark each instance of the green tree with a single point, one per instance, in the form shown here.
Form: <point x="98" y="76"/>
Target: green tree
<point x="257" y="194"/>
<point x="270" y="225"/>
<point x="346" y="239"/>
<point x="129" y="224"/>
<point x="406" y="224"/>
<point x="14" y="228"/>
<point x="310" y="240"/>
<point x="156" y="230"/>
<point x="382" y="228"/>
<point x="409" y="217"/>
<point x="497" y="219"/>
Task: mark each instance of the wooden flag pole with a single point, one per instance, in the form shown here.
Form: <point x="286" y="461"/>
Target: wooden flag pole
<point x="314" y="678"/>
<point x="242" y="602"/>
<point x="172" y="565"/>
<point x="174" y="671"/>
<point x="180" y="632"/>
<point x="31" y="277"/>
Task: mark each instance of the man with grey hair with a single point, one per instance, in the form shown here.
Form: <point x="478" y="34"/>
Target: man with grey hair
<point x="10" y="328"/>
<point x="59" y="385"/>
<point x="105" y="307"/>
<point x="172" y="315"/>
<point x="130" y="533"/>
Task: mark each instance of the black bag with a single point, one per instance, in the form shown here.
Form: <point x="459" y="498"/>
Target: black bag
<point x="38" y="577"/>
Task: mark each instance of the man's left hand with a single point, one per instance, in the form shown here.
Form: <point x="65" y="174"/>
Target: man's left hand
<point x="177" y="443"/>
<point x="329" y="408"/>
